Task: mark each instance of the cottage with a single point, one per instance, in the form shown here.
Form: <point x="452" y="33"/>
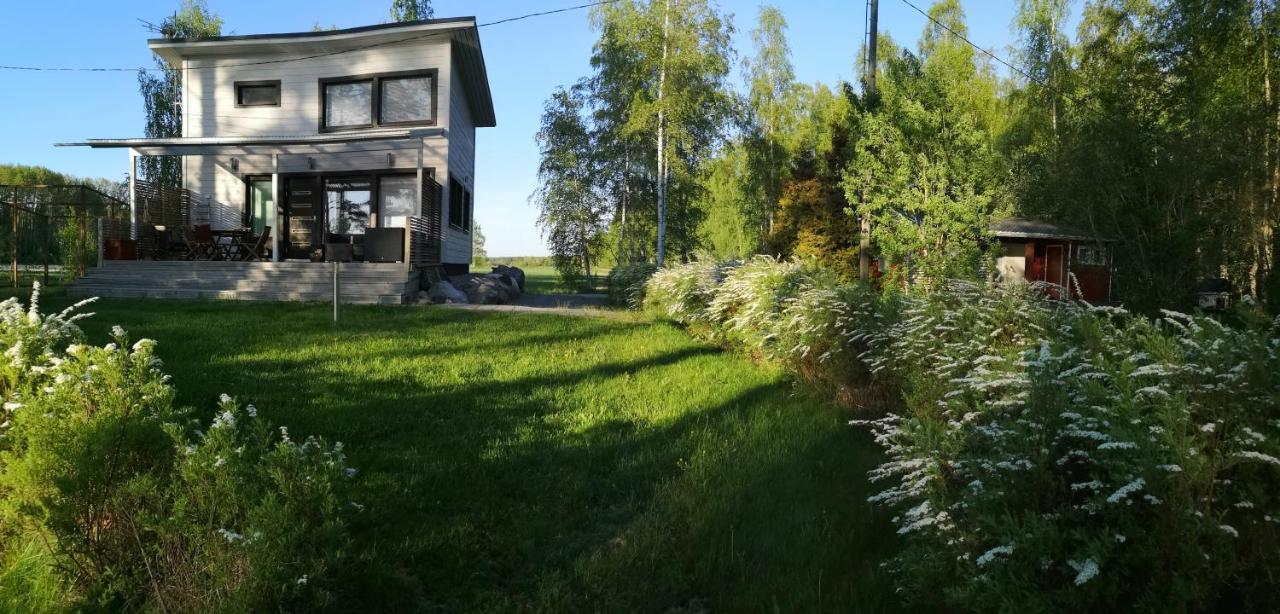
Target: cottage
<point x="352" y="145"/>
<point x="1038" y="251"/>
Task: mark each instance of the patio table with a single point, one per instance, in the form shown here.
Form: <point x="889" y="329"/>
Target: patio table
<point x="228" y="241"/>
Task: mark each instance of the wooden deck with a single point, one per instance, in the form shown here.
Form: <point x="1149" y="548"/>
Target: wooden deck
<point x="362" y="283"/>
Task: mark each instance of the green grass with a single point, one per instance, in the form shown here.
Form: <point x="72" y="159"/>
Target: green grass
<point x="514" y="462"/>
<point x="545" y="280"/>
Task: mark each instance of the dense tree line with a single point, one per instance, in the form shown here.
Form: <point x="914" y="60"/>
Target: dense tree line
<point x="1156" y="123"/>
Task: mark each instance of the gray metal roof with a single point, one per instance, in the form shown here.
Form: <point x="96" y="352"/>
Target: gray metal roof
<point x="1024" y="228"/>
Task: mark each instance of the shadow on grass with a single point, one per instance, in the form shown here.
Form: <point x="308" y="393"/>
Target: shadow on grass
<point x="528" y="463"/>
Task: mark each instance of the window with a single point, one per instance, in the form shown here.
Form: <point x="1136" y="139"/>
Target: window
<point x="349" y="204"/>
<point x="396" y="202"/>
<point x="1091" y="255"/>
<point x="459" y="206"/>
<point x="394" y="99"/>
<point x="466" y="210"/>
<point x="257" y="93"/>
<point x="405" y="100"/>
<point x="455" y="203"/>
<point x="348" y="105"/>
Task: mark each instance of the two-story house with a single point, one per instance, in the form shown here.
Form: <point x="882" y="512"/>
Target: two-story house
<point x="363" y="137"/>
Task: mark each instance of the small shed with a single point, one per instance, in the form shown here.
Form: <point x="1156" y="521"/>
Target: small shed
<point x="1034" y="250"/>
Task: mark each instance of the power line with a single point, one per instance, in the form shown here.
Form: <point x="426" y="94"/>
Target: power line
<point x="153" y="28"/>
<point x="551" y="12"/>
<point x="975" y="46"/>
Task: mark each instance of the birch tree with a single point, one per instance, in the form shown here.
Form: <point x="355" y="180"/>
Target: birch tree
<point x="161" y="89"/>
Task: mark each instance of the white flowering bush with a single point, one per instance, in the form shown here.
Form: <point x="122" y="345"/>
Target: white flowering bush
<point x="1042" y="455"/>
<point x="748" y="305"/>
<point x="139" y="508"/>
<point x="683" y="292"/>
<point x="1052" y="455"/>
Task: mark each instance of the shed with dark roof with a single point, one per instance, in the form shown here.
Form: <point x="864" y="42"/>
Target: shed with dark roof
<point x="1064" y="256"/>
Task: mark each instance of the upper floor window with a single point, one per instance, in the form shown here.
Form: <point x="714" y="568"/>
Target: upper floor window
<point x="257" y="93"/>
<point x="393" y="99"/>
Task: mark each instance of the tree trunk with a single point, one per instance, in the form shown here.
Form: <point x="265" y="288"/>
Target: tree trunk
<point x="662" y="137"/>
<point x="626" y="191"/>
<point x="1272" y="200"/>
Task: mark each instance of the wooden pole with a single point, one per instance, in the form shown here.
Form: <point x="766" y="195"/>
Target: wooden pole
<point x="864" y="224"/>
<point x="276" y="206"/>
<point x="13" y="235"/>
<point x="133" y="194"/>
<point x="48" y="242"/>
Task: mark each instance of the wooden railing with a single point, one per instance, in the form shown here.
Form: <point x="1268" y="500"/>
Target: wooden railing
<point x="160" y="205"/>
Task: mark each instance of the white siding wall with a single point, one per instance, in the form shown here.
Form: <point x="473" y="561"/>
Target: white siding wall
<point x="462" y="166"/>
<point x="210" y="110"/>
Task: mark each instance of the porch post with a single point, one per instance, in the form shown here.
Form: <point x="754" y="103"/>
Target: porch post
<point x="133" y="194"/>
<point x="275" y="206"/>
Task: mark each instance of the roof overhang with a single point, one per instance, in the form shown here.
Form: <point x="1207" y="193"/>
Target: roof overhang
<point x="461" y="31"/>
<point x="1022" y="228"/>
<point x="337" y="142"/>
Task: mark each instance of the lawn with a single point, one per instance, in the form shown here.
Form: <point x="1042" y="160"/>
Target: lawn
<point x="546" y="280"/>
<point x="514" y="462"/>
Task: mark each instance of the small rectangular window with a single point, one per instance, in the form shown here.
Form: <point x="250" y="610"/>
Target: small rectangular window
<point x="1091" y="255"/>
<point x="349" y="104"/>
<point x="405" y="99"/>
<point x="257" y="93"/>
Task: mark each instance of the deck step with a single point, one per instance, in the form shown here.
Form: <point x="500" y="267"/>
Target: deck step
<point x="362" y="283"/>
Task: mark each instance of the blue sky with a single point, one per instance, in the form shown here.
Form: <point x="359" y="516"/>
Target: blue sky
<point x="525" y="59"/>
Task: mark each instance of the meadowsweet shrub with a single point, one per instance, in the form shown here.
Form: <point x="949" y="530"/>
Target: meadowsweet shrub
<point x="747" y="308"/>
<point x="683" y="292"/>
<point x="824" y="333"/>
<point x="626" y="283"/>
<point x="136" y="507"/>
<point x="1054" y="456"/>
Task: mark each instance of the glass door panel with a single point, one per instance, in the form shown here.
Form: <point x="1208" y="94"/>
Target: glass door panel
<point x="261" y="208"/>
<point x="349" y="203"/>
<point x="396" y="201"/>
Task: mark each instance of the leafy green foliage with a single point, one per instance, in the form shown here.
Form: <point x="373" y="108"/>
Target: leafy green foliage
<point x="411" y="10"/>
<point x="626" y="282"/>
<point x="1043" y="451"/>
<point x="135" y="508"/>
<point x="572" y="211"/>
<point x="162" y="92"/>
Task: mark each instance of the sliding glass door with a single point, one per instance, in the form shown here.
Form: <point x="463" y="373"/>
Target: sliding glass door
<point x="349" y="205"/>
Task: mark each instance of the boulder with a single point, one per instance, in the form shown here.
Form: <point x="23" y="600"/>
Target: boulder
<point x="491" y="289"/>
<point x="515" y="273"/>
<point x="445" y="292"/>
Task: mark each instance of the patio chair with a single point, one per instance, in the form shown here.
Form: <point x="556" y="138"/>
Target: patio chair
<point x="200" y="243"/>
<point x="254" y="248"/>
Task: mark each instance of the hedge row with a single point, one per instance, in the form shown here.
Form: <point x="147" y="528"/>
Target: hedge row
<point x="1042" y="455"/>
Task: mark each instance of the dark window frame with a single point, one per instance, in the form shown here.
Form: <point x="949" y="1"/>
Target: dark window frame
<point x="246" y="211"/>
<point x="269" y="82"/>
<point x="428" y="172"/>
<point x="462" y="196"/>
<point x="375" y="114"/>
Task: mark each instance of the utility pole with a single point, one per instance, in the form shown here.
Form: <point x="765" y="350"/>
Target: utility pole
<point x="864" y="224"/>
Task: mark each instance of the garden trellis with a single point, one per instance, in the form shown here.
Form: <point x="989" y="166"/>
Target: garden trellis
<point x="44" y="225"/>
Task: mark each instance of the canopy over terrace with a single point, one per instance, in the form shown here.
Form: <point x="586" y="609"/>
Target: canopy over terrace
<point x="315" y="152"/>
